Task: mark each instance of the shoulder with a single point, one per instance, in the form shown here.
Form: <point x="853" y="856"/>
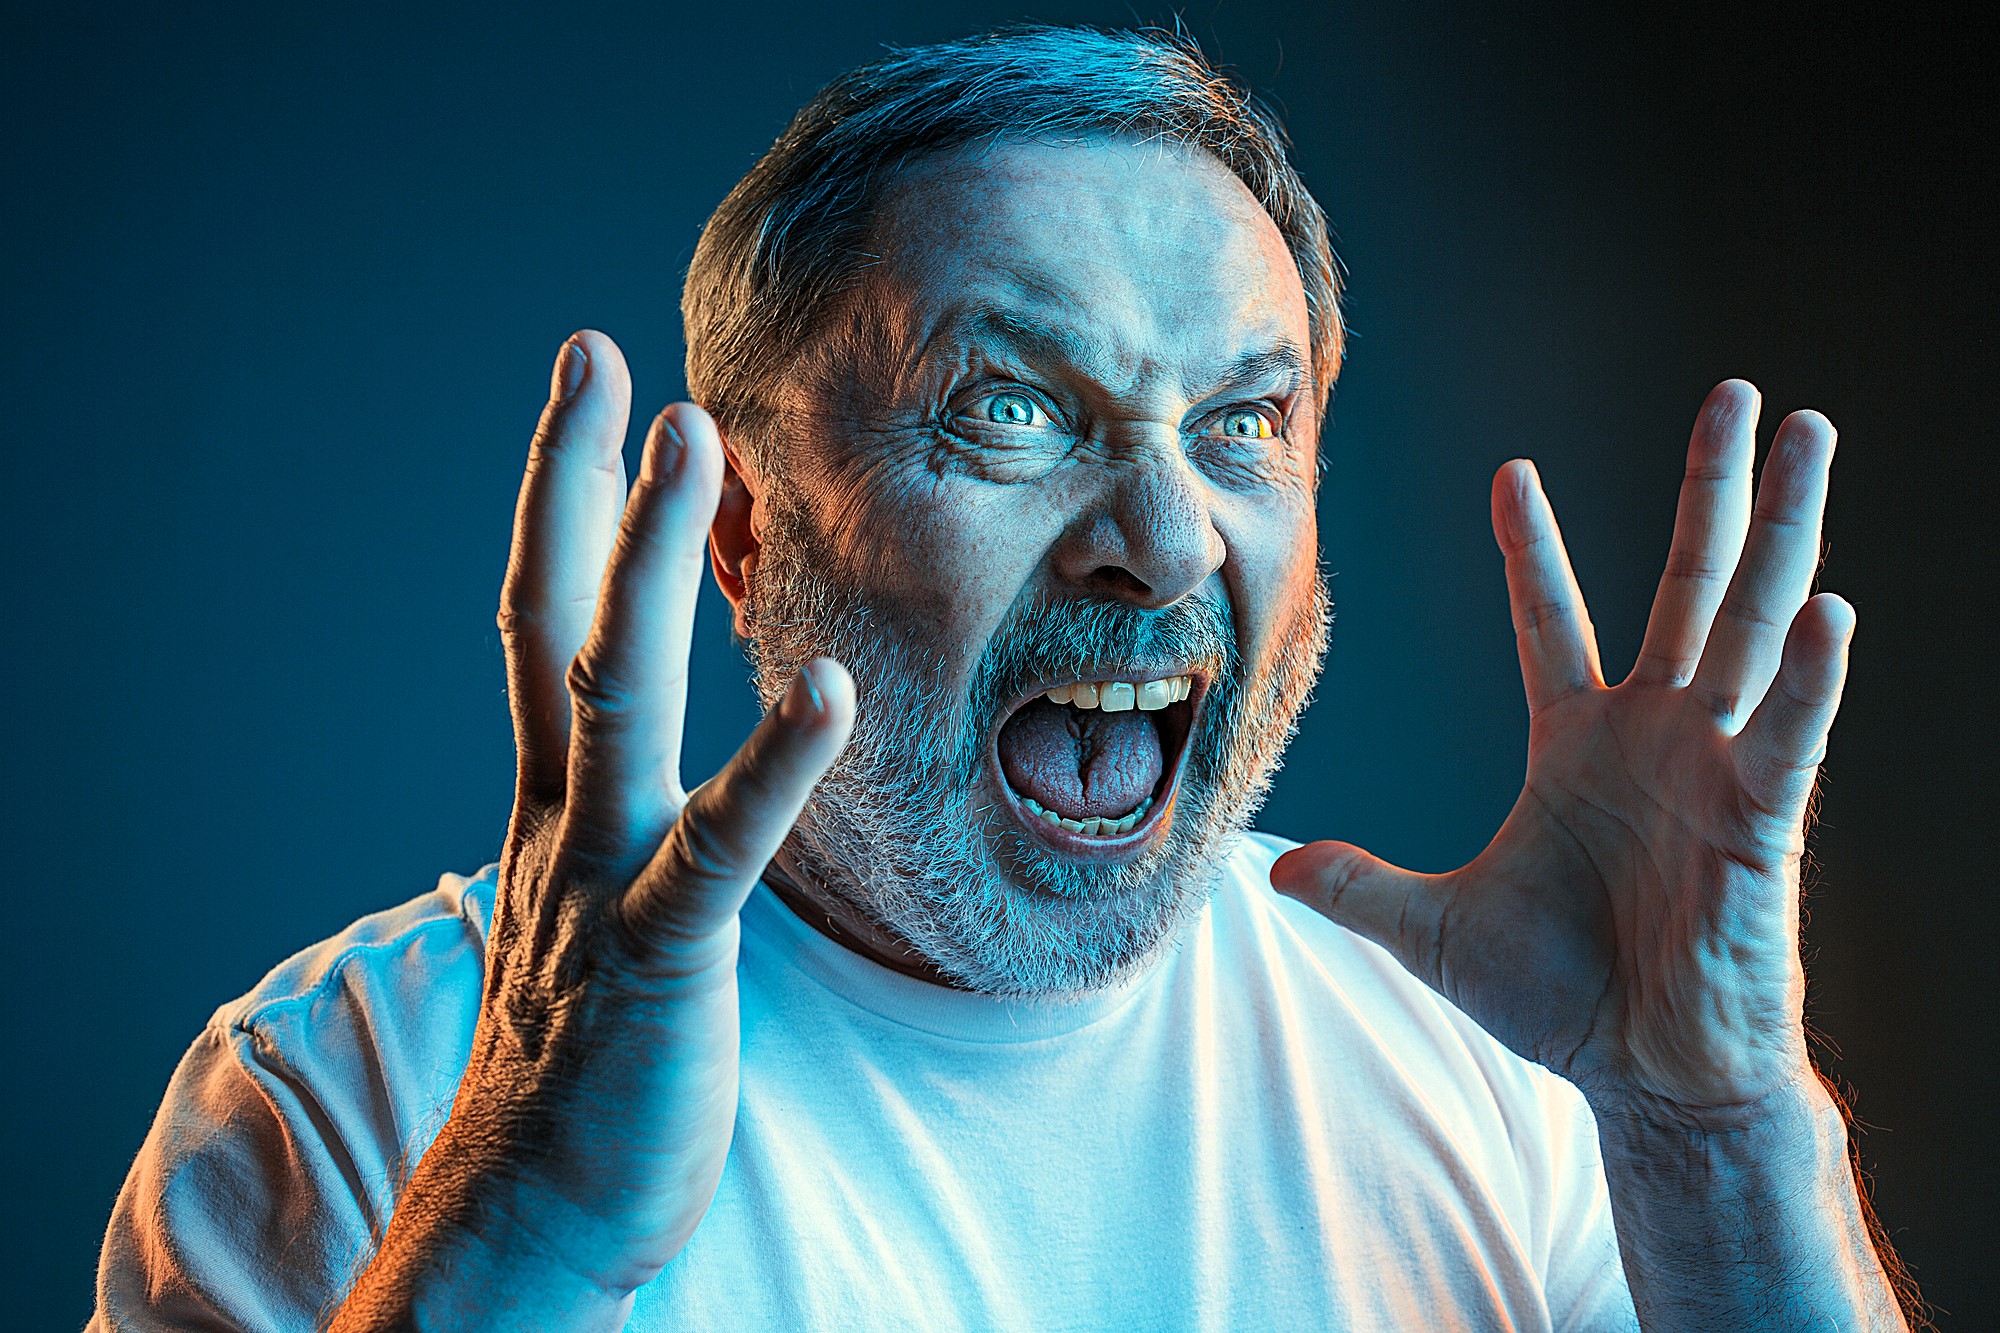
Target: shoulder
<point x="1388" y="1042"/>
<point x="366" y="1033"/>
<point x="430" y="940"/>
<point x="1313" y="951"/>
<point x="1310" y="948"/>
<point x="278" y="1149"/>
<point x="1306" y="950"/>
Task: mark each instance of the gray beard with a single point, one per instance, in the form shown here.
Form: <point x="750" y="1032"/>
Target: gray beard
<point x="891" y="831"/>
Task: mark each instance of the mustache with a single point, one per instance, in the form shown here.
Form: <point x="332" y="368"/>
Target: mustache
<point x="1087" y="640"/>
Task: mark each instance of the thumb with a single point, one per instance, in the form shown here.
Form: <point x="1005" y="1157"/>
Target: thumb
<point x="1399" y="909"/>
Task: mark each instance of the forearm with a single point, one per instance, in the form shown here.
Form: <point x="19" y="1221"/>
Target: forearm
<point x="1754" y="1222"/>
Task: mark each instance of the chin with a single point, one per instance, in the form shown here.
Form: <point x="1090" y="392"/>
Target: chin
<point x="1002" y="911"/>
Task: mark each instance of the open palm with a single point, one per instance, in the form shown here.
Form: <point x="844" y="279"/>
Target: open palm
<point x="1633" y="926"/>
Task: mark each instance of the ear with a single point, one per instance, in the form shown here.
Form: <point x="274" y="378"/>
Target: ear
<point x="732" y="538"/>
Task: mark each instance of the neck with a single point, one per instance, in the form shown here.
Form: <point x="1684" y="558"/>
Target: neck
<point x="841" y="923"/>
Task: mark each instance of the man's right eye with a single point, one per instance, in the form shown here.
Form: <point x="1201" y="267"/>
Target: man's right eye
<point x="1013" y="409"/>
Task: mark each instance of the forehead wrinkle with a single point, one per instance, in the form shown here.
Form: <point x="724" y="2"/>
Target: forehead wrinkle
<point x="1139" y="269"/>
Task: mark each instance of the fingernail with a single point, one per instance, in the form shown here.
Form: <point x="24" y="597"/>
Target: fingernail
<point x="664" y="450"/>
<point x="802" y="702"/>
<point x="572" y="364"/>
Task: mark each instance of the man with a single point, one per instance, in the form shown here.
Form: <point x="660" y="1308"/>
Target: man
<point x="960" y="998"/>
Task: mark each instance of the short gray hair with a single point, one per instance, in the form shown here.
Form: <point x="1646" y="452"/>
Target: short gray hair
<point x="789" y="242"/>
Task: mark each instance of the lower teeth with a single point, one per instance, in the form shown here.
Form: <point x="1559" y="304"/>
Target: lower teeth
<point x="1094" y="827"/>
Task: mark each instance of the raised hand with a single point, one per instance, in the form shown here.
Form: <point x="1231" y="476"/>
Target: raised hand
<point x="590" y="1127"/>
<point x="1634" y="925"/>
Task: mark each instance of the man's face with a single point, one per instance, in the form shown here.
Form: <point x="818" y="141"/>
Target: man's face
<point x="1063" y="446"/>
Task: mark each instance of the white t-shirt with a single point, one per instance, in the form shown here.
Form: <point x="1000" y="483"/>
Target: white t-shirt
<point x="1276" y="1127"/>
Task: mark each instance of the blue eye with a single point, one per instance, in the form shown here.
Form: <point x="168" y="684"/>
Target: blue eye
<point x="1011" y="409"/>
<point x="1246" y="424"/>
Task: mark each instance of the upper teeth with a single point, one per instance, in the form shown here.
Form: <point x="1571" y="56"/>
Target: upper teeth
<point x="1122" y="696"/>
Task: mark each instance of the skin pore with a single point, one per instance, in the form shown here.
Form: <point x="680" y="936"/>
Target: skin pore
<point x="1067" y="429"/>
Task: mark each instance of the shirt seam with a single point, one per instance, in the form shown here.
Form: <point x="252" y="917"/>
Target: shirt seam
<point x="248" y="1020"/>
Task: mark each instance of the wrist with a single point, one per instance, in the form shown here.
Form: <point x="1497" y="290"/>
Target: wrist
<point x="1794" y="1120"/>
<point x="1782" y="1085"/>
<point x="1742" y="1215"/>
<point x="473" y="1243"/>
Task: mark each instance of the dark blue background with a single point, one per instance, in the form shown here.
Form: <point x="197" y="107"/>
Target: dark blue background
<point x="281" y="287"/>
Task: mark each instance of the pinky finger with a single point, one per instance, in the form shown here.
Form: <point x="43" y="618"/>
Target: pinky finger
<point x="1779" y="751"/>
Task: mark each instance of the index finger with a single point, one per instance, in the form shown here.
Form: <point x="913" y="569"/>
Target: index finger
<point x="1552" y="629"/>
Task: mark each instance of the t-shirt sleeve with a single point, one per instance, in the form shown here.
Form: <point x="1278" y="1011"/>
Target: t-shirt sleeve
<point x="241" y="1211"/>
<point x="1583" y="1276"/>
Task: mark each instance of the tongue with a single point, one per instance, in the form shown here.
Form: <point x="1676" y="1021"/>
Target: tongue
<point x="1081" y="763"/>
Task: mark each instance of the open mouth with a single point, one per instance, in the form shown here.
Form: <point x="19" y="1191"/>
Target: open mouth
<point x="1091" y="766"/>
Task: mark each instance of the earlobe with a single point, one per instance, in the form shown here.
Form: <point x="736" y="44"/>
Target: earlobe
<point x="732" y="539"/>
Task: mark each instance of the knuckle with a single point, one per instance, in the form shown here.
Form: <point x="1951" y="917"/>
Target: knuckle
<point x="1773" y="792"/>
<point x="1781" y="512"/>
<point x="658" y="534"/>
<point x="755" y="781"/>
<point x="597" y="693"/>
<point x="1669" y="666"/>
<point x="1536" y="618"/>
<point x="519" y="619"/>
<point x="563" y="438"/>
<point x="1696" y="568"/>
<point x="1743" y="612"/>
<point x="702" y="851"/>
<point x="1801" y="701"/>
<point x="1337" y="877"/>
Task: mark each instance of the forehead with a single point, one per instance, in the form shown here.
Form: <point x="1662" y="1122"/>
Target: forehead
<point x="1155" y="252"/>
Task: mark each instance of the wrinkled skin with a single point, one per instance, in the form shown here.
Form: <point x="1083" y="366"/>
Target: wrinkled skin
<point x="1634" y="924"/>
<point x="1646" y="881"/>
<point x="1136" y="309"/>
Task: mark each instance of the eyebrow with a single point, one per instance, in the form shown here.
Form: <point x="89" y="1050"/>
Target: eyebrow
<point x="1283" y="359"/>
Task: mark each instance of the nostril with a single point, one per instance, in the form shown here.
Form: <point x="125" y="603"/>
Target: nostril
<point x="1116" y="578"/>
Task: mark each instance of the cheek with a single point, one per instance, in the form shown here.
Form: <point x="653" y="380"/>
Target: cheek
<point x="1273" y="559"/>
<point x="951" y="554"/>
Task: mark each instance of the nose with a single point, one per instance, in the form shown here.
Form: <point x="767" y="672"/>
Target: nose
<point x="1151" y="539"/>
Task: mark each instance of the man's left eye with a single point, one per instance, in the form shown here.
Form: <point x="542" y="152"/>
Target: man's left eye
<point x="1243" y="423"/>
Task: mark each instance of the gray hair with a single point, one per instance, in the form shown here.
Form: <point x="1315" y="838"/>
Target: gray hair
<point x="788" y="243"/>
